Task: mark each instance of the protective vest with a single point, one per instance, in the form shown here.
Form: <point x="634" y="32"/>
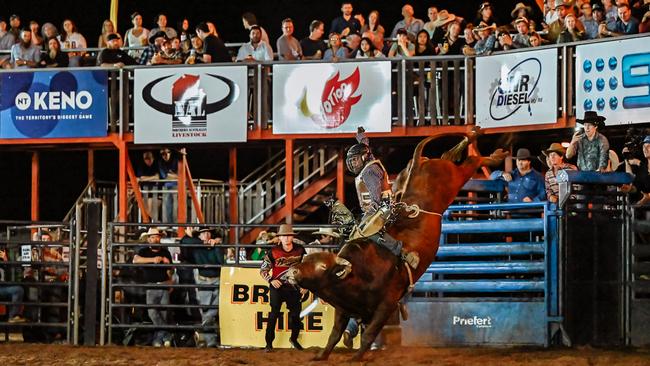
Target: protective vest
<point x="363" y="193"/>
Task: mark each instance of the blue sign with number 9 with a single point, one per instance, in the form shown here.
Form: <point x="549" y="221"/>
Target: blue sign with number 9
<point x="637" y="62"/>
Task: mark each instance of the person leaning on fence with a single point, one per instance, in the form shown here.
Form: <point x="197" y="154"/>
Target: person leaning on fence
<point x="591" y="146"/>
<point x="555" y="155"/>
<point x="525" y="184"/>
<point x="13" y="292"/>
<point x="210" y="254"/>
<point x="154" y="254"/>
<point x="275" y="265"/>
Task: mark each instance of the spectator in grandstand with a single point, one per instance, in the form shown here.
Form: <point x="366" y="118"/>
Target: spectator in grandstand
<point x="13" y="292"/>
<point x="591" y="146"/>
<point x="275" y="265"/>
<point x="611" y="11"/>
<point x="570" y="32"/>
<point x="644" y="26"/>
<point x="14" y="26"/>
<point x="112" y="55"/>
<point x="48" y="30"/>
<point x="377" y="30"/>
<point x="470" y="37"/>
<point x="525" y="184"/>
<point x="136" y="36"/>
<point x="313" y="47"/>
<point x="485" y="14"/>
<point x="640" y="169"/>
<point x="37" y="40"/>
<point x="147" y="172"/>
<point x="587" y="19"/>
<point x="550" y="13"/>
<point x="7" y="40"/>
<point x="263" y="238"/>
<point x="403" y="47"/>
<point x="411" y="24"/>
<point x="24" y="55"/>
<point x="107" y="28"/>
<point x="352" y="42"/>
<point x="155" y="254"/>
<point x="168" y="170"/>
<point x="346" y="23"/>
<point x="210" y="254"/>
<point x="71" y="39"/>
<point x="336" y="50"/>
<point x="185" y="36"/>
<point x="599" y="14"/>
<point x="367" y="49"/>
<point x="504" y="40"/>
<point x="214" y="50"/>
<point x="168" y="55"/>
<point x="486" y="40"/>
<point x="452" y="44"/>
<point x="255" y="49"/>
<point x="430" y="26"/>
<point x="326" y="236"/>
<point x="155" y="43"/>
<point x="196" y="53"/>
<point x="423" y="45"/>
<point x="521" y="39"/>
<point x="535" y="39"/>
<point x="555" y="155"/>
<point x="520" y="11"/>
<point x="441" y="24"/>
<point x="161" y="25"/>
<point x="624" y="24"/>
<point x="248" y="20"/>
<point x="555" y="28"/>
<point x="53" y="57"/>
<point x="287" y="45"/>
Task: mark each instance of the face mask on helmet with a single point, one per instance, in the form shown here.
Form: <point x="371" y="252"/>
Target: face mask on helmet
<point x="356" y="158"/>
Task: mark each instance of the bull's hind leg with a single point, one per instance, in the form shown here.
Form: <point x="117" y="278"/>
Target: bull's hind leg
<point x="383" y="312"/>
<point x="340" y="322"/>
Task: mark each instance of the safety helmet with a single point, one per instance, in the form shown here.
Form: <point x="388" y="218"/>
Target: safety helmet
<point x="360" y="150"/>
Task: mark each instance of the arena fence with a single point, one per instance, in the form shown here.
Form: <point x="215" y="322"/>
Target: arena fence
<point x="639" y="272"/>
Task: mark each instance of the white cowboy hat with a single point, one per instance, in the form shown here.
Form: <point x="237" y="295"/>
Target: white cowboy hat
<point x="443" y="18"/>
<point x="327" y="231"/>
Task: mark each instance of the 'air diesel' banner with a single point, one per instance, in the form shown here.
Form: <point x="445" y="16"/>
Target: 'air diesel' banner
<point x="53" y="104"/>
<point x="331" y="97"/>
<point x="516" y="89"/>
<point x="190" y="104"/>
<point x="244" y="312"/>
<point x="613" y="79"/>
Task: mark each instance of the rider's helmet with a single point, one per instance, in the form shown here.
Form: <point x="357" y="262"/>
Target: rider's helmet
<point x="357" y="157"/>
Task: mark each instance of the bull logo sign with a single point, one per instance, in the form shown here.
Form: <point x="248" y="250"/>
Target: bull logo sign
<point x="337" y="99"/>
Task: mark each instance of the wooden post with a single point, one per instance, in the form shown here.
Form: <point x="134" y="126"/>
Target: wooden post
<point x="182" y="196"/>
<point x="36" y="177"/>
<point x="195" y="199"/>
<point x="340" y="176"/>
<point x="91" y="165"/>
<point x="288" y="179"/>
<point x="233" y="209"/>
<point x="122" y="188"/>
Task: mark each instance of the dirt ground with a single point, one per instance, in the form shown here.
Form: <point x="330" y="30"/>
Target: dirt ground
<point x="38" y="354"/>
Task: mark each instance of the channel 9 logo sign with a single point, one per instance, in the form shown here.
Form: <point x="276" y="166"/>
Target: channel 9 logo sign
<point x="617" y="86"/>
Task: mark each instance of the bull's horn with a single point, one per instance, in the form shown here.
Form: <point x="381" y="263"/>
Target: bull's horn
<point x="417" y="153"/>
<point x="347" y="267"/>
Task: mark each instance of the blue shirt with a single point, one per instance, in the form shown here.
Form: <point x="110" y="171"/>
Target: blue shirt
<point x="530" y="185"/>
<point x="632" y="27"/>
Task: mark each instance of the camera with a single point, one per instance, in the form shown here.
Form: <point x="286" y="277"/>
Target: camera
<point x="634" y="144"/>
<point x="580" y="128"/>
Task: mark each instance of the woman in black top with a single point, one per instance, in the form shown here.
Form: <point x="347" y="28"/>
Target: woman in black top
<point x="423" y="46"/>
<point x="452" y="43"/>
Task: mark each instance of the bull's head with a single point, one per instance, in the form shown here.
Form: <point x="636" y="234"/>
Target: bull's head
<point x="318" y="270"/>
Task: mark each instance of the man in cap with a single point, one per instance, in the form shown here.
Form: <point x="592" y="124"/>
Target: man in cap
<point x="525" y="184"/>
<point x="591" y="146"/>
<point x="588" y="20"/>
<point x="156" y="255"/>
<point x="275" y="265"/>
<point x="521" y="39"/>
<point x="112" y="55"/>
<point x="210" y="254"/>
<point x="155" y="43"/>
<point x="326" y="236"/>
<point x="555" y="155"/>
<point x="374" y="193"/>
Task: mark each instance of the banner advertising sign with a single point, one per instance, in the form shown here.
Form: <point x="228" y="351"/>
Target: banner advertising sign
<point x="190" y="104"/>
<point x="516" y="89"/>
<point x="613" y="79"/>
<point x="331" y="97"/>
<point x="244" y="312"/>
<point x="53" y="104"/>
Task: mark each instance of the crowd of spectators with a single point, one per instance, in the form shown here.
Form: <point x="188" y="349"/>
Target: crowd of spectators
<point x="350" y="35"/>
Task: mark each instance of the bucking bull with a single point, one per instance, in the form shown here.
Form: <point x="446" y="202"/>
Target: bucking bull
<point x="367" y="282"/>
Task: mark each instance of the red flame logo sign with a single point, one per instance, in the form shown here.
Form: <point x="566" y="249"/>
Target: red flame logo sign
<point x="336" y="101"/>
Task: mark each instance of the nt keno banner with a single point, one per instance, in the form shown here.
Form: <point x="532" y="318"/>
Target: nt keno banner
<point x="331" y="97"/>
<point x="190" y="104"/>
<point x="516" y="89"/>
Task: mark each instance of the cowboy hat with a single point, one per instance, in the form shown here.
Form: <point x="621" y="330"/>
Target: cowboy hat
<point x="522" y="154"/>
<point x="443" y="18"/>
<point x="555" y="147"/>
<point x="484" y="26"/>
<point x="159" y="34"/>
<point x="484" y="5"/>
<point x="518" y="7"/>
<point x="151" y="231"/>
<point x="593" y="118"/>
<point x="327" y="231"/>
<point x="285" y="229"/>
<point x="566" y="4"/>
<point x="521" y="20"/>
